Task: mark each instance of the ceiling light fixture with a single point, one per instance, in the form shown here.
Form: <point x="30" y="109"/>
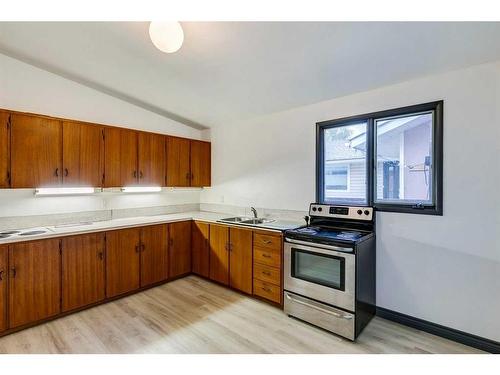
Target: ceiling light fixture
<point x="141" y="189"/>
<point x="166" y="36"/>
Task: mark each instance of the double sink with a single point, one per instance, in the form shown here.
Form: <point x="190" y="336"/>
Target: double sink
<point x="246" y="220"/>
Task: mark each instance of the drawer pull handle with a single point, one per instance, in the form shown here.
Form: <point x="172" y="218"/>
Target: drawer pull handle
<point x="1" y="275"/>
<point x="266" y="290"/>
<point x="266" y="255"/>
<point x="268" y="242"/>
<point x="266" y="273"/>
<point x="348" y="317"/>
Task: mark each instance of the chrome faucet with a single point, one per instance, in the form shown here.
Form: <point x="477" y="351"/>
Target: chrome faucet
<point x="254" y="212"/>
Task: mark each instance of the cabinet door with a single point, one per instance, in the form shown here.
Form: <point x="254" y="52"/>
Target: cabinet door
<point x="3" y="287"/>
<point x="200" y="163"/>
<point x="154" y="254"/>
<point x="200" y="248"/>
<point x="240" y="259"/>
<point x="4" y="149"/>
<point x="179" y="248"/>
<point x="219" y="253"/>
<point x="35" y="281"/>
<point x="151" y="159"/>
<point x="83" y="150"/>
<point x="122" y="261"/>
<point x="120" y="157"/>
<point x="35" y="152"/>
<point x="82" y="270"/>
<point x="178" y="161"/>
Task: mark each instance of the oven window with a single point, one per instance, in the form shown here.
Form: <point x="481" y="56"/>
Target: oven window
<point x="323" y="269"/>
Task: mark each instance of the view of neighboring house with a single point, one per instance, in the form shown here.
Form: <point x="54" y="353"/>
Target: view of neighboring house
<point x="403" y="160"/>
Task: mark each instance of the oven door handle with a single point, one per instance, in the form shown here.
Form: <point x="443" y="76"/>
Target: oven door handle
<point x="337" y="315"/>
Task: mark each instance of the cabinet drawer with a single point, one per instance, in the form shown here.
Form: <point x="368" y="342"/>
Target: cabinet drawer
<point x="267" y="274"/>
<point x="267" y="256"/>
<point x="267" y="241"/>
<point x="266" y="290"/>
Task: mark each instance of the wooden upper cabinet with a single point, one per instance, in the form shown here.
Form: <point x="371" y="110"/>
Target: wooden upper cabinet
<point x="179" y="251"/>
<point x="35" y="281"/>
<point x="241" y="259"/>
<point x="178" y="164"/>
<point x="3" y="286"/>
<point x="219" y="253"/>
<point x="200" y="248"/>
<point x="83" y="273"/>
<point x="120" y="157"/>
<point x="122" y="261"/>
<point x="5" y="119"/>
<point x="83" y="154"/>
<point x="36" y="152"/>
<point x="200" y="163"/>
<point x="151" y="159"/>
<point x="154" y="254"/>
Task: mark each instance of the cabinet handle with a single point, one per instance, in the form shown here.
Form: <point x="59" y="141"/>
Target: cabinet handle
<point x="1" y="275"/>
<point x="266" y="273"/>
<point x="266" y="289"/>
<point x="140" y="174"/>
<point x="137" y="248"/>
<point x="187" y="176"/>
<point x="135" y="174"/>
<point x="66" y="172"/>
<point x="14" y="272"/>
<point x="171" y="242"/>
<point x="191" y="176"/>
<point x="266" y="255"/>
<point x="57" y="172"/>
<point x="143" y="247"/>
<point x="268" y="242"/>
<point x="101" y="255"/>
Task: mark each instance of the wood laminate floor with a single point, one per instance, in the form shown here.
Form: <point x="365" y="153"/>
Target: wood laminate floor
<point x="192" y="315"/>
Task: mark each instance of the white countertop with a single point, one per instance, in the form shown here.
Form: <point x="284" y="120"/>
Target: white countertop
<point x="100" y="226"/>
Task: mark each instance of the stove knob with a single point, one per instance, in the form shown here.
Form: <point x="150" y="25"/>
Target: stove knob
<point x="367" y="212"/>
<point x="320" y="209"/>
<point x="314" y="208"/>
<point x="359" y="212"/>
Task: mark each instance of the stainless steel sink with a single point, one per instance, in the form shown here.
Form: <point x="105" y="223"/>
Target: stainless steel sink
<point x="237" y="219"/>
<point x="257" y="221"/>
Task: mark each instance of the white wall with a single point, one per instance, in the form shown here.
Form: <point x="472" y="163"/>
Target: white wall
<point x="29" y="89"/>
<point x="442" y="269"/>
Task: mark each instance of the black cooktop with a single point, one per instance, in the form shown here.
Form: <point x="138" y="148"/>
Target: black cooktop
<point x="325" y="234"/>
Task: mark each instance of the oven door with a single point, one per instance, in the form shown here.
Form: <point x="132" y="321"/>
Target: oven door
<point x="326" y="275"/>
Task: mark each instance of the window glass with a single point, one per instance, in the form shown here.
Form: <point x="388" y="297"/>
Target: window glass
<point x="344" y="164"/>
<point x="404" y="160"/>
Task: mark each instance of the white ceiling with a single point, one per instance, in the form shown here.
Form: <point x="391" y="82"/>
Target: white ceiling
<point x="232" y="71"/>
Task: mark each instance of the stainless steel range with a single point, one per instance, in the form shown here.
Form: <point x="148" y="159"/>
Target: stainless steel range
<point x="329" y="268"/>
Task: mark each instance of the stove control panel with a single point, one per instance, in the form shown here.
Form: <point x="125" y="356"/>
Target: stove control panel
<point x="342" y="212"/>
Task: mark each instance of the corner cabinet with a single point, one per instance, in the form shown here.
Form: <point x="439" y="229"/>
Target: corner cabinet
<point x="200" y="164"/>
<point x="35" y="151"/>
<point x="5" y="119"/>
<point x="4" y="253"/>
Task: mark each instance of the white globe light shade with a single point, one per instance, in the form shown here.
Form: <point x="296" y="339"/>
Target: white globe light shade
<point x="166" y="36"/>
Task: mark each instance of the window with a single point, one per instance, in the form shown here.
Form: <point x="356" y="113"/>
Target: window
<point x="336" y="177"/>
<point x="391" y="160"/>
<point x="344" y="166"/>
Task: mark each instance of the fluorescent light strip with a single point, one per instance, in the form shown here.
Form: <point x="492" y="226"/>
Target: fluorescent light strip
<point x="65" y="191"/>
<point x="141" y="189"/>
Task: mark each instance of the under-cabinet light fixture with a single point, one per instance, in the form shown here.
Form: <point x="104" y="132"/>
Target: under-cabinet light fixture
<point x="141" y="189"/>
<point x="65" y="191"/>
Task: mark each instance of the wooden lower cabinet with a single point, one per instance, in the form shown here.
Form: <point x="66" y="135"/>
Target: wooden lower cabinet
<point x="219" y="253"/>
<point x="179" y="249"/>
<point x="200" y="248"/>
<point x="83" y="270"/>
<point x="35" y="281"/>
<point x="267" y="266"/>
<point x="122" y="261"/>
<point x="240" y="259"/>
<point x="4" y="253"/>
<point x="154" y="254"/>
